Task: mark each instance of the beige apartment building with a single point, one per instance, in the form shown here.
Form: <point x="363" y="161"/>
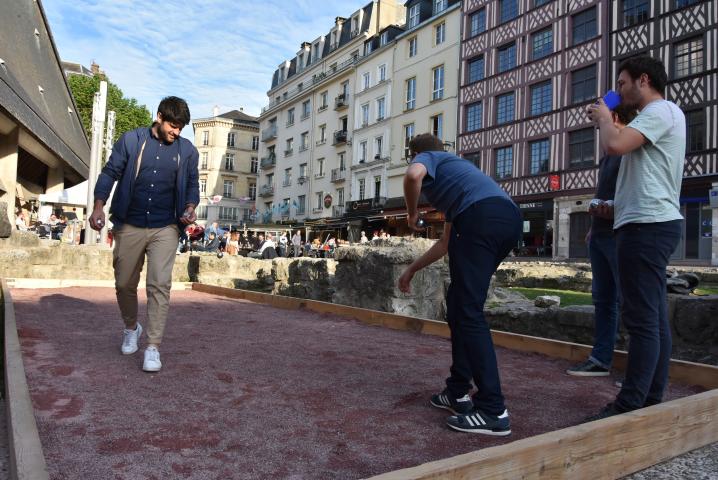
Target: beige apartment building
<point x="340" y="117"/>
<point x="228" y="164"/>
<point x="425" y="83"/>
<point x="308" y="127"/>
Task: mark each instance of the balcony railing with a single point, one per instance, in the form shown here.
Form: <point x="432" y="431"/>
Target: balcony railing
<point x="266" y="191"/>
<point x="340" y="136"/>
<point x="287" y="182"/>
<point x="269" y="134"/>
<point x="269" y="161"/>
<point x="317" y="209"/>
<point x="337" y="210"/>
<point x="301" y="211"/>
<point x="338" y="175"/>
<point x="302" y="179"/>
<point x="319" y="175"/>
<point x="342" y="101"/>
<point x="288" y="152"/>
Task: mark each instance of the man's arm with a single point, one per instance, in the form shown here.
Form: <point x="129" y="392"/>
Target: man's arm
<point x="619" y="142"/>
<point x="437" y="251"/>
<point x="192" y="197"/>
<point x="412" y="190"/>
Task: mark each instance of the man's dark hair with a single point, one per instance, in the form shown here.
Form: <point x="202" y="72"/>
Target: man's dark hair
<point x="174" y="110"/>
<point x="625" y="113"/>
<point x="425" y="142"/>
<point x="653" y="67"/>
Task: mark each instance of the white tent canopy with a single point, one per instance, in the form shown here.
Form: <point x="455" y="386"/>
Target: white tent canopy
<point x="76" y="196"/>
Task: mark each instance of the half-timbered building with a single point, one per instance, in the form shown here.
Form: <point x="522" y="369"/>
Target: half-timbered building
<point x="528" y="70"/>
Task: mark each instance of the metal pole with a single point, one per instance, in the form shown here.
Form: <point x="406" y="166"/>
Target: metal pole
<point x="98" y="124"/>
<point x="109" y="134"/>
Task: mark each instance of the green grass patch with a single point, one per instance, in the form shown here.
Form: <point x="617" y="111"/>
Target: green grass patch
<point x="706" y="290"/>
<point x="568" y="297"/>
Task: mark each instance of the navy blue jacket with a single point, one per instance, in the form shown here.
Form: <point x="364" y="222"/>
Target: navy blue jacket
<point x="122" y="166"/>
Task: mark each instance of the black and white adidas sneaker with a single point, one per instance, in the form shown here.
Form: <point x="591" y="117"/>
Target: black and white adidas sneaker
<point x="447" y="401"/>
<point x="480" y="422"/>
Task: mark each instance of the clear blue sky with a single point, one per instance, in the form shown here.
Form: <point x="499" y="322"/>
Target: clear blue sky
<point x="210" y="52"/>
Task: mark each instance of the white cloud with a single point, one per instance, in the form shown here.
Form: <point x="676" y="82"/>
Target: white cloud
<point x="213" y="52"/>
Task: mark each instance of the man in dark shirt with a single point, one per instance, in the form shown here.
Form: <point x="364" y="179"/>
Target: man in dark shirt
<point x="157" y="191"/>
<point x="482" y="226"/>
<point x="604" y="263"/>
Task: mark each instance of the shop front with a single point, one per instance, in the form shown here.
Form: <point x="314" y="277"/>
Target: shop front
<point x="537" y="236"/>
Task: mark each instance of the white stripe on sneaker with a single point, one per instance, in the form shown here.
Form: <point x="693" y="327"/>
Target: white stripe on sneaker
<point x="480" y="419"/>
<point x="470" y="420"/>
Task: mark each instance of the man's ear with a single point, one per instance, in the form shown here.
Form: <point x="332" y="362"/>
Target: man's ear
<point x="159" y="117"/>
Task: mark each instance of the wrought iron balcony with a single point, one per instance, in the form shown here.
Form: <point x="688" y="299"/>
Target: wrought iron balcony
<point x="269" y="161"/>
<point x="342" y="101"/>
<point x="338" y="175"/>
<point x="337" y="210"/>
<point x="302" y="179"/>
<point x="269" y="134"/>
<point x="340" y="136"/>
<point x="266" y="191"/>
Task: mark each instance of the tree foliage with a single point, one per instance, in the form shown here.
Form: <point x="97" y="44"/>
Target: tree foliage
<point x="128" y="113"/>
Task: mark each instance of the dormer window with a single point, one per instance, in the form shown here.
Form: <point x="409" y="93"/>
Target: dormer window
<point x="384" y="38"/>
<point x="413" y="16"/>
<point x="367" y="48"/>
<point x="439" y="6"/>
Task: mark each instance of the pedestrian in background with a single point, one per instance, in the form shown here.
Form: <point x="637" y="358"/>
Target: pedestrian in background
<point x="604" y="266"/>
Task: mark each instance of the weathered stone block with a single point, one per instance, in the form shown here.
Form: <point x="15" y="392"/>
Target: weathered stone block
<point x="546" y="301"/>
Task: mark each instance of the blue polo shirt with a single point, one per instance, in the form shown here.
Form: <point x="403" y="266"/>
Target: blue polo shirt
<point x="153" y="195"/>
<point x="452" y="184"/>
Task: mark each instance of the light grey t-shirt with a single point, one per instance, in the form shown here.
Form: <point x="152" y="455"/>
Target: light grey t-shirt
<point x="649" y="180"/>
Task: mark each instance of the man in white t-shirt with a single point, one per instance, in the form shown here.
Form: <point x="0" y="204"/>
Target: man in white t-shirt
<point x="647" y="222"/>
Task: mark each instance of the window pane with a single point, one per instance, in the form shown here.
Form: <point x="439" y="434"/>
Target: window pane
<point x="689" y="57"/>
<point x="504" y="162"/>
<point x="695" y="130"/>
<point x="473" y="116"/>
<point x="507" y="57"/>
<point x="478" y="22"/>
<point x="539" y="156"/>
<point x="542" y="43"/>
<point x="541" y="98"/>
<point x="505" y="108"/>
<point x="584" y="25"/>
<point x="581" y="147"/>
<point x="583" y="84"/>
<point x="509" y="9"/>
<point x="476" y="69"/>
<point x="634" y="12"/>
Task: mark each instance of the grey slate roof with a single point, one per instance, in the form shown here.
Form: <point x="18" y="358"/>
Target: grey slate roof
<point x="31" y="60"/>
<point x="240" y="117"/>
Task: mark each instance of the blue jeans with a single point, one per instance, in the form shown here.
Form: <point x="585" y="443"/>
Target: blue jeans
<point x="643" y="253"/>
<point x="481" y="237"/>
<point x="604" y="290"/>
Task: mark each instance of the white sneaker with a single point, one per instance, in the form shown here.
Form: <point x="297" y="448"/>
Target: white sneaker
<point x="129" y="340"/>
<point x="152" y="360"/>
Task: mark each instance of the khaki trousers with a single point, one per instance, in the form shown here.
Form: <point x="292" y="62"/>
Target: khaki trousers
<point x="128" y="257"/>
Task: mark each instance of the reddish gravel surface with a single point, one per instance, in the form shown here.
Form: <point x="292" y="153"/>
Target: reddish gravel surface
<point x="250" y="391"/>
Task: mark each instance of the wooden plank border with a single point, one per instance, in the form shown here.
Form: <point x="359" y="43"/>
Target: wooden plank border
<point x="606" y="449"/>
<point x="27" y="460"/>
<point x="688" y="373"/>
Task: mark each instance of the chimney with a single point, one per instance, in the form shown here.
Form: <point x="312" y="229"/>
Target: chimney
<point x="215" y="111"/>
<point x="95" y="68"/>
<point x="241" y="109"/>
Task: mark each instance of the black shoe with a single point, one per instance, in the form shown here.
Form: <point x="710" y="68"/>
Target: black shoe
<point x="588" y="369"/>
<point x="480" y="422"/>
<point x="447" y="401"/>
<point x="608" y="411"/>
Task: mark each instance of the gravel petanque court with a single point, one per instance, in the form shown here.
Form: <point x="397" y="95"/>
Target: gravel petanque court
<point x="251" y="391"/>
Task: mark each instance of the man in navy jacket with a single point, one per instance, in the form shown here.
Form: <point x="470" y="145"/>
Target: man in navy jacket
<point x="156" y="195"/>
